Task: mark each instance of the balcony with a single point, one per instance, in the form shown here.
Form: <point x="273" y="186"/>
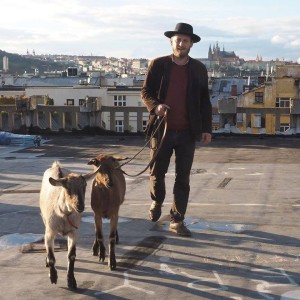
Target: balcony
<point x="91" y="104"/>
<point x="22" y="105"/>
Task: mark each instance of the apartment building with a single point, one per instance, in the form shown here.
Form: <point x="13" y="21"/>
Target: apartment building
<point x="116" y="108"/>
<point x="124" y="110"/>
<point x="273" y="107"/>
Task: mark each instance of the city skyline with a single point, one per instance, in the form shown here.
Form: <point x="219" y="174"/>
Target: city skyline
<point x="269" y="29"/>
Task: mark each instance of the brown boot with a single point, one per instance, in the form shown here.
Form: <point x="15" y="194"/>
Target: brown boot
<point x="179" y="228"/>
<point x="155" y="211"/>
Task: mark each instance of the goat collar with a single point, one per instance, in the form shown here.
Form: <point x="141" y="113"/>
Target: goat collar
<point x="68" y="219"/>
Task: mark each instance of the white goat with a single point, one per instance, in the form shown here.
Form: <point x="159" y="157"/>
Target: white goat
<point x="62" y="199"/>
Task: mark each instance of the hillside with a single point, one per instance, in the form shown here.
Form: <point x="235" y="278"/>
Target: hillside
<point x="19" y="64"/>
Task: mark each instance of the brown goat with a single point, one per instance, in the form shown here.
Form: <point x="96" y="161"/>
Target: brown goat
<point x="108" y="192"/>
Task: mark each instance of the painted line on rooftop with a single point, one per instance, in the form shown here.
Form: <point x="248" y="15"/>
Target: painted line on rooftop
<point x="251" y="204"/>
<point x="225" y="181"/>
<point x="14" y="212"/>
<point x="215" y="204"/>
<point x="19" y="192"/>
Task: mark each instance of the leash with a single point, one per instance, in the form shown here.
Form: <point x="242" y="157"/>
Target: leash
<point x="68" y="219"/>
<point x="163" y="119"/>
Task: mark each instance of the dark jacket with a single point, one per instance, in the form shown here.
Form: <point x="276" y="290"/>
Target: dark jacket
<point x="155" y="88"/>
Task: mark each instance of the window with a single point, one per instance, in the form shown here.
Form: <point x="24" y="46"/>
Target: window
<point x="81" y="101"/>
<point x="259" y="97"/>
<point x="119" y="100"/>
<point x="145" y="120"/>
<point x="283" y="102"/>
<point x="284" y="127"/>
<point x="70" y="101"/>
<point x="119" y="126"/>
<point x="257" y="120"/>
<point x="215" y="118"/>
<point x="144" y="125"/>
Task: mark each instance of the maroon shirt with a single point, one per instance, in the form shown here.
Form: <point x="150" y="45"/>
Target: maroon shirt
<point x="176" y="98"/>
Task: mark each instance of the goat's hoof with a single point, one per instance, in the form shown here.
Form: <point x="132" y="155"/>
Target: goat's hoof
<point x="102" y="256"/>
<point x="47" y="264"/>
<point x="72" y="284"/>
<point x="95" y="250"/>
<point x="112" y="264"/>
<point x="53" y="276"/>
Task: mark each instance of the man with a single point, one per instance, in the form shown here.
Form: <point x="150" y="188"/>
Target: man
<point x="177" y="85"/>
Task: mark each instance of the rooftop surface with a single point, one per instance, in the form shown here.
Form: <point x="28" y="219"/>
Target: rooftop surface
<point x="243" y="213"/>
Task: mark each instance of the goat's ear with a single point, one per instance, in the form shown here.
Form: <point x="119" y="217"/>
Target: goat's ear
<point x="55" y="182"/>
<point x="92" y="162"/>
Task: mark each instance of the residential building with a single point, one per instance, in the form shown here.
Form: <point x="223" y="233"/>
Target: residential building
<point x="111" y="99"/>
<point x="116" y="108"/>
<point x="139" y="63"/>
<point x="274" y="106"/>
<point x="222" y="91"/>
<point x="124" y="110"/>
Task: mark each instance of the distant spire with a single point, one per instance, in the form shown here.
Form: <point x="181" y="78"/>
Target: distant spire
<point x="209" y="53"/>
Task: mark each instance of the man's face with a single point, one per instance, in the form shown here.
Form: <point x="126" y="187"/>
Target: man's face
<point x="181" y="45"/>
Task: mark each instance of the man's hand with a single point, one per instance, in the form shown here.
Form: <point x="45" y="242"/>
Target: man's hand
<point x="206" y="138"/>
<point x="161" y="109"/>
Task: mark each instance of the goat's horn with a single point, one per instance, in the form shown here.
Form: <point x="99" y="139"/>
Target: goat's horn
<point x="120" y="158"/>
<point x="91" y="174"/>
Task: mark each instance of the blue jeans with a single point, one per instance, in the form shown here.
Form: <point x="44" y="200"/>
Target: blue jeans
<point x="182" y="142"/>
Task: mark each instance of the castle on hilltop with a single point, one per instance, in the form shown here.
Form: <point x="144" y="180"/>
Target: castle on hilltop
<point x="219" y="57"/>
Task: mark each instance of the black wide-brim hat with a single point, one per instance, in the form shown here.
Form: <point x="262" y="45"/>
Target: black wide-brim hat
<point x="183" y="28"/>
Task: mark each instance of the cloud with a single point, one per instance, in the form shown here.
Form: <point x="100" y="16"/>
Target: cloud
<point x="276" y="39"/>
<point x="295" y="43"/>
<point x="287" y="41"/>
<point x="135" y="28"/>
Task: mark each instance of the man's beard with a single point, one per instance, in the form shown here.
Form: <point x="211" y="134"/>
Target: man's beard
<point x="181" y="54"/>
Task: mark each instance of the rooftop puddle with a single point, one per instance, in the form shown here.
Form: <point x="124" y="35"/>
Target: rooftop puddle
<point x="90" y="219"/>
<point x="17" y="239"/>
<point x="196" y="225"/>
<point x="291" y="295"/>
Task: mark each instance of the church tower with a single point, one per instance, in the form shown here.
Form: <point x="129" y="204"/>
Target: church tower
<point x="210" y="56"/>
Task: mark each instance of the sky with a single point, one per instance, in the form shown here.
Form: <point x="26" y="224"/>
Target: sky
<point x="135" y="28"/>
